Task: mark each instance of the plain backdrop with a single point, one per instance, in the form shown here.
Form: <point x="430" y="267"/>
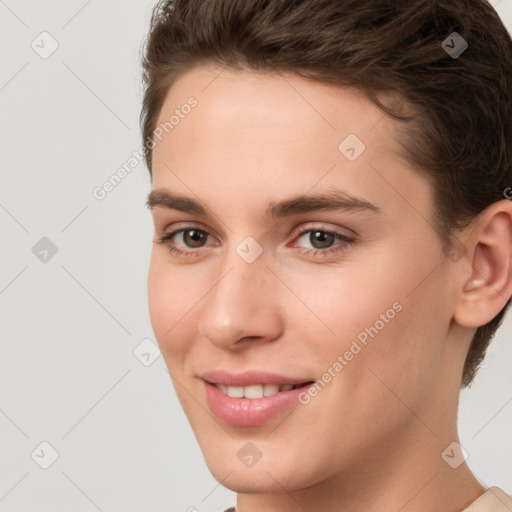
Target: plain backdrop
<point x="88" y="417"/>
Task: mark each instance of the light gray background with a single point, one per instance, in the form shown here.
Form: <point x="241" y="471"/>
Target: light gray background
<point x="70" y="325"/>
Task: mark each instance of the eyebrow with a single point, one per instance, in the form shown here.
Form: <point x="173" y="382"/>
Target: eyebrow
<point x="332" y="200"/>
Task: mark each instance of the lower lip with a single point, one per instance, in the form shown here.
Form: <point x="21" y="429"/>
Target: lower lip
<point x="246" y="412"/>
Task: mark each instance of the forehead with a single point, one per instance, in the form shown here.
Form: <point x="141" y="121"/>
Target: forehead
<point x="273" y="100"/>
<point x="268" y="116"/>
<point x="256" y="134"/>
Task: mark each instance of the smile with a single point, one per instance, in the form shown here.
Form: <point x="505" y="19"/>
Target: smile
<point x="255" y="390"/>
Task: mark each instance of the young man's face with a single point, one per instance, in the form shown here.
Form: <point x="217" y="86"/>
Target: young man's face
<point x="358" y="297"/>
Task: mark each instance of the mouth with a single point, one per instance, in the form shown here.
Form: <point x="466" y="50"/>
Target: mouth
<point x="254" y="391"/>
<point x="253" y="404"/>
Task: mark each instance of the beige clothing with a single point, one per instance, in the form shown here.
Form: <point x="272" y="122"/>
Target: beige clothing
<point x="492" y="500"/>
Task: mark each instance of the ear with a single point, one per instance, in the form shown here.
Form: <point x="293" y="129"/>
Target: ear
<point x="489" y="250"/>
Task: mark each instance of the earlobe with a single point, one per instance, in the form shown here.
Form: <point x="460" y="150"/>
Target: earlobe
<point x="484" y="294"/>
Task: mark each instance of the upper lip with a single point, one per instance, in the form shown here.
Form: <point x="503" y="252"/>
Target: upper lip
<point x="250" y="377"/>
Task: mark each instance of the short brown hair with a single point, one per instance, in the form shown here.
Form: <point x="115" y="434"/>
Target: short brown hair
<point x="460" y="133"/>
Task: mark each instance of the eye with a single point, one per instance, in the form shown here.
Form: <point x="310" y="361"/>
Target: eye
<point x="191" y="238"/>
<point x="188" y="241"/>
<point x="320" y="239"/>
<point x="323" y="242"/>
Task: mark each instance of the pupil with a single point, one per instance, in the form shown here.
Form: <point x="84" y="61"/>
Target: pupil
<point x="321" y="239"/>
<point x="193" y="238"/>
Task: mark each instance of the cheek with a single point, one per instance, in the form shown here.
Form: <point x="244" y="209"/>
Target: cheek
<point x="389" y="338"/>
<point x="171" y="300"/>
<point x="404" y="323"/>
<point x="346" y="303"/>
<point x="383" y="313"/>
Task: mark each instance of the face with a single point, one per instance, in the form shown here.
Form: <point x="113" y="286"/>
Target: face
<point x="302" y="247"/>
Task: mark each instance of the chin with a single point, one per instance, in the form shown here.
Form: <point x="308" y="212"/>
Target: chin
<point x="261" y="478"/>
<point x="248" y="482"/>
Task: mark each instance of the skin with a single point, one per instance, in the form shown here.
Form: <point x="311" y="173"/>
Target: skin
<point x="372" y="439"/>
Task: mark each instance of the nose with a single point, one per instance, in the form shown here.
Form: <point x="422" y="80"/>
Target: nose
<point x="242" y="306"/>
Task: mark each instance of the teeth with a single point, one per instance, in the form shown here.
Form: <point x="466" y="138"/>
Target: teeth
<point x="235" y="391"/>
<point x="254" y="391"/>
<point x="270" y="389"/>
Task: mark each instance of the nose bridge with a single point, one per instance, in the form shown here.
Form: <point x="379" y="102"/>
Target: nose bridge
<point x="242" y="301"/>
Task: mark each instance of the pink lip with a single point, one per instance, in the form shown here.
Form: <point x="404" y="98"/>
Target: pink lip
<point x="246" y="412"/>
<point x="249" y="378"/>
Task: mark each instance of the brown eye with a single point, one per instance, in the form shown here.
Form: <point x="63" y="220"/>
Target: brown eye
<point x="185" y="241"/>
<point x="321" y="239"/>
<point x="322" y="242"/>
<point x="194" y="237"/>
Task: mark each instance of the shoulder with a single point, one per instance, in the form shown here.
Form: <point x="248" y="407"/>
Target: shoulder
<point x="494" y="499"/>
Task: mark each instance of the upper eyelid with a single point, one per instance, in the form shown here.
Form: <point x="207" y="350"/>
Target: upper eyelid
<point x="301" y="230"/>
<point x="186" y="227"/>
<point x="296" y="232"/>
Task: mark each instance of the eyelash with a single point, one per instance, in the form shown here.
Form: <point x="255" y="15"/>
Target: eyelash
<point x="346" y="242"/>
